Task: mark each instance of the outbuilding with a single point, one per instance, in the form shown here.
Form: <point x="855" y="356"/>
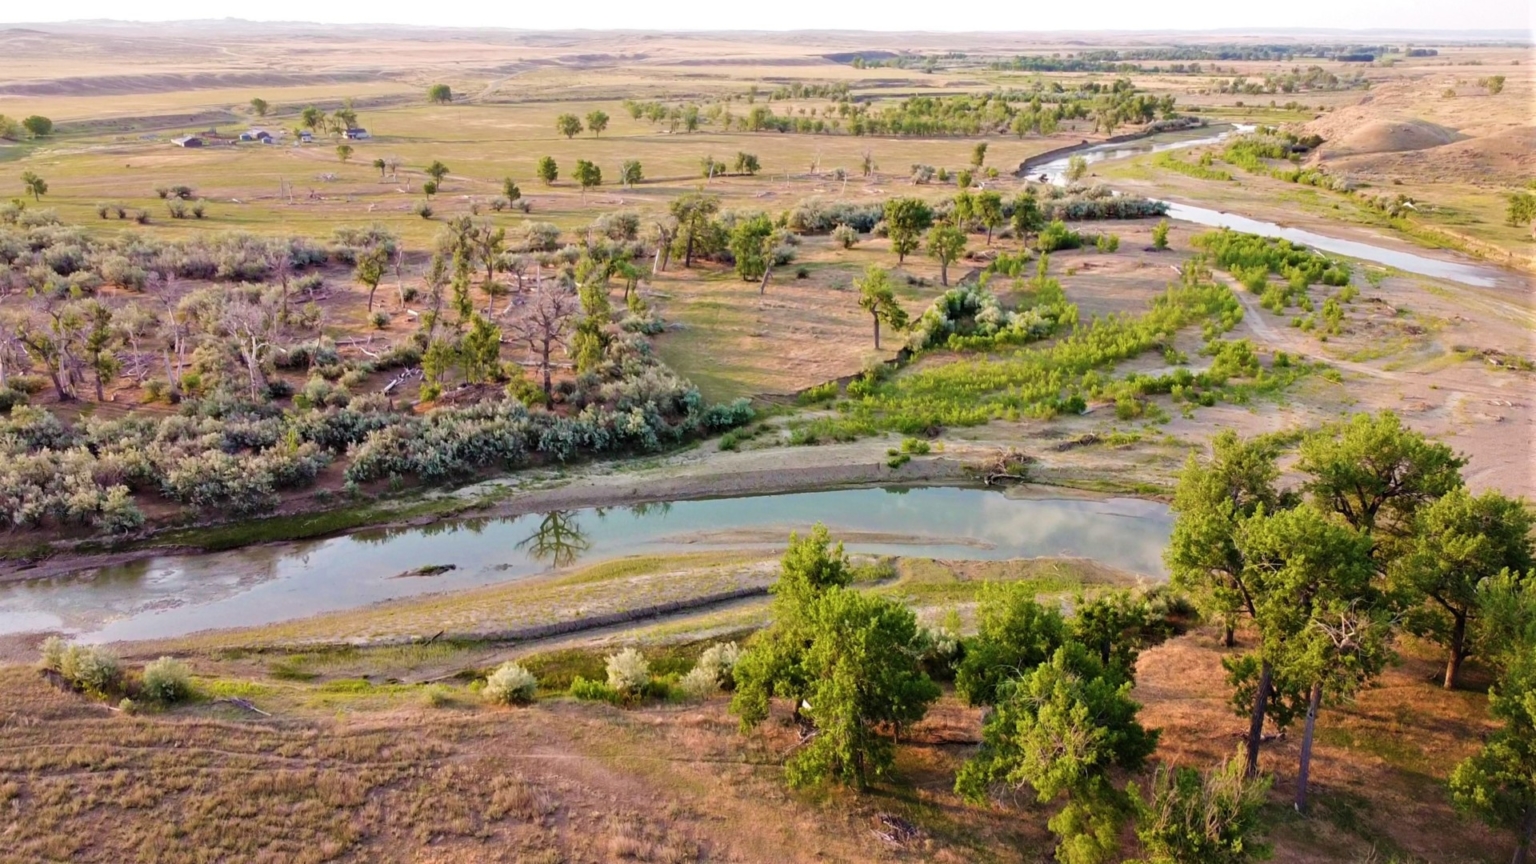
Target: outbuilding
<point x="188" y="141"/>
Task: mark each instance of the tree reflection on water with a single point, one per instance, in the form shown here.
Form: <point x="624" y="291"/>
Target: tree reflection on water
<point x="558" y="540"/>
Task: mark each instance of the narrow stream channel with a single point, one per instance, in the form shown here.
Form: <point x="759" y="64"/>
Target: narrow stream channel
<point x="1466" y="274"/>
<point x="175" y="595"/>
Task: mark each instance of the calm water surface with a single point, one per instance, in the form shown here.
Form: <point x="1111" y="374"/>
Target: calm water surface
<point x="175" y="595"/>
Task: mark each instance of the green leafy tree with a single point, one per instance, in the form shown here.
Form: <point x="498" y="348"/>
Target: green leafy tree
<point x="630" y="173"/>
<point x="746" y="163"/>
<point x="1027" y="218"/>
<point x="548" y="171"/>
<point x="509" y="190"/>
<point x="100" y="339"/>
<point x="344" y="152"/>
<point x="588" y="175"/>
<point x="1077" y="168"/>
<point x="945" y="243"/>
<point x="1059" y="730"/>
<point x="989" y="211"/>
<point x="773" y="664"/>
<point x="878" y="299"/>
<point x="905" y="220"/>
<point x="568" y="125"/>
<point x="1522" y="208"/>
<point x="260" y="107"/>
<point x="1323" y="623"/>
<point x="312" y="118"/>
<point x="1187" y="818"/>
<point x="437" y="171"/>
<point x="38" y="126"/>
<point x="480" y="353"/>
<point x="34" y="185"/>
<point x="1210" y="502"/>
<point x="370" y="270"/>
<point x="439" y="94"/>
<point x="1498" y="783"/>
<point x="1160" y="235"/>
<point x="380" y="164"/>
<point x="979" y="154"/>
<point x="693" y="213"/>
<point x="1375" y="473"/>
<point x="865" y="685"/>
<point x="1014" y="635"/>
<point x="1113" y="625"/>
<point x="597" y="121"/>
<point x="590" y="339"/>
<point x="1460" y="542"/>
<point x="749" y="246"/>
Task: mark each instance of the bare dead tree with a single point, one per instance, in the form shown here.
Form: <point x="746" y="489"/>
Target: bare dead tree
<point x="253" y="326"/>
<point x="542" y="324"/>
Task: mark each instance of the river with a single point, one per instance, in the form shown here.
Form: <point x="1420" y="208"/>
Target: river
<point x="175" y="595"/>
<point x="1463" y="271"/>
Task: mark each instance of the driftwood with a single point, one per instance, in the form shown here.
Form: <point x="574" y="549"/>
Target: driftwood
<point x="1006" y="466"/>
<point x="244" y="704"/>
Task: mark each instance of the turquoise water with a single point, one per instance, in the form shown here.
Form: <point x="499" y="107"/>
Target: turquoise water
<point x="175" y="595"/>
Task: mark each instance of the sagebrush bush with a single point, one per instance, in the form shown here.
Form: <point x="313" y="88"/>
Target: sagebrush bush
<point x="628" y="672"/>
<point x="510" y="684"/>
<point x="88" y="667"/>
<point x="713" y="671"/>
<point x="167" y="681"/>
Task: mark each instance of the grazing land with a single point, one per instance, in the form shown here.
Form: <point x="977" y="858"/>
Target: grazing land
<point x="471" y="275"/>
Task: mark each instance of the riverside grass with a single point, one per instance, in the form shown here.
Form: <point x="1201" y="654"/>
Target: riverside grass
<point x="1034" y="382"/>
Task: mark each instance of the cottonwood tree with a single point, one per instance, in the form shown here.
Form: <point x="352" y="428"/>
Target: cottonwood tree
<point x="34" y="185"/>
<point x="1212" y="499"/>
<point x="42" y="127"/>
<point x="509" y="190"/>
<point x="1014" y="635"/>
<point x="865" y="687"/>
<point x="439" y="94"/>
<point x="260" y="107"/>
<point x="568" y="125"/>
<point x="749" y="241"/>
<point x="548" y="171"/>
<point x="630" y="173"/>
<point x="541" y="324"/>
<point x="878" y="299"/>
<point x="597" y="121"/>
<point x="1498" y="783"/>
<point x="588" y="175"/>
<point x="693" y="213"/>
<point x="979" y="154"/>
<point x="1324" y="625"/>
<point x="48" y="344"/>
<point x="312" y="118"/>
<point x="437" y="171"/>
<point x="905" y="220"/>
<point x="380" y="164"/>
<point x="99" y="340"/>
<point x="1059" y="730"/>
<point x="251" y="321"/>
<point x="746" y="163"/>
<point x="1458" y="545"/>
<point x="1027" y="218"/>
<point x="989" y="211"/>
<point x="344" y="152"/>
<point x="945" y="243"/>
<point x="370" y="270"/>
<point x="1077" y="167"/>
<point x="773" y="664"/>
<point x="479" y="352"/>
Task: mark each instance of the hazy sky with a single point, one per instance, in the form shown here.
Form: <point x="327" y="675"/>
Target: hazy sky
<point x="993" y="15"/>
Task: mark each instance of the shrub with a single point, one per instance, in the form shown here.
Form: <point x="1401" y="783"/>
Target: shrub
<point x="628" y="673"/>
<point x="379" y="320"/>
<point x="1160" y="235"/>
<point x="1107" y="243"/>
<point x="423" y="209"/>
<point x="845" y="236"/>
<point x="167" y="681"/>
<point x="714" y="671"/>
<point x="510" y="684"/>
<point x="594" y="691"/>
<point x="88" y="667"/>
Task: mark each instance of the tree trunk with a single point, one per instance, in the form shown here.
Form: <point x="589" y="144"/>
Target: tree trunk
<point x="688" y="252"/>
<point x="1313" y="702"/>
<point x="944" y="273"/>
<point x="1256" y="722"/>
<point x="549" y="390"/>
<point x="1458" y="651"/>
<point x="767" y="274"/>
<point x="877" y="332"/>
<point x="1229" y="637"/>
<point x="1527" y="835"/>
